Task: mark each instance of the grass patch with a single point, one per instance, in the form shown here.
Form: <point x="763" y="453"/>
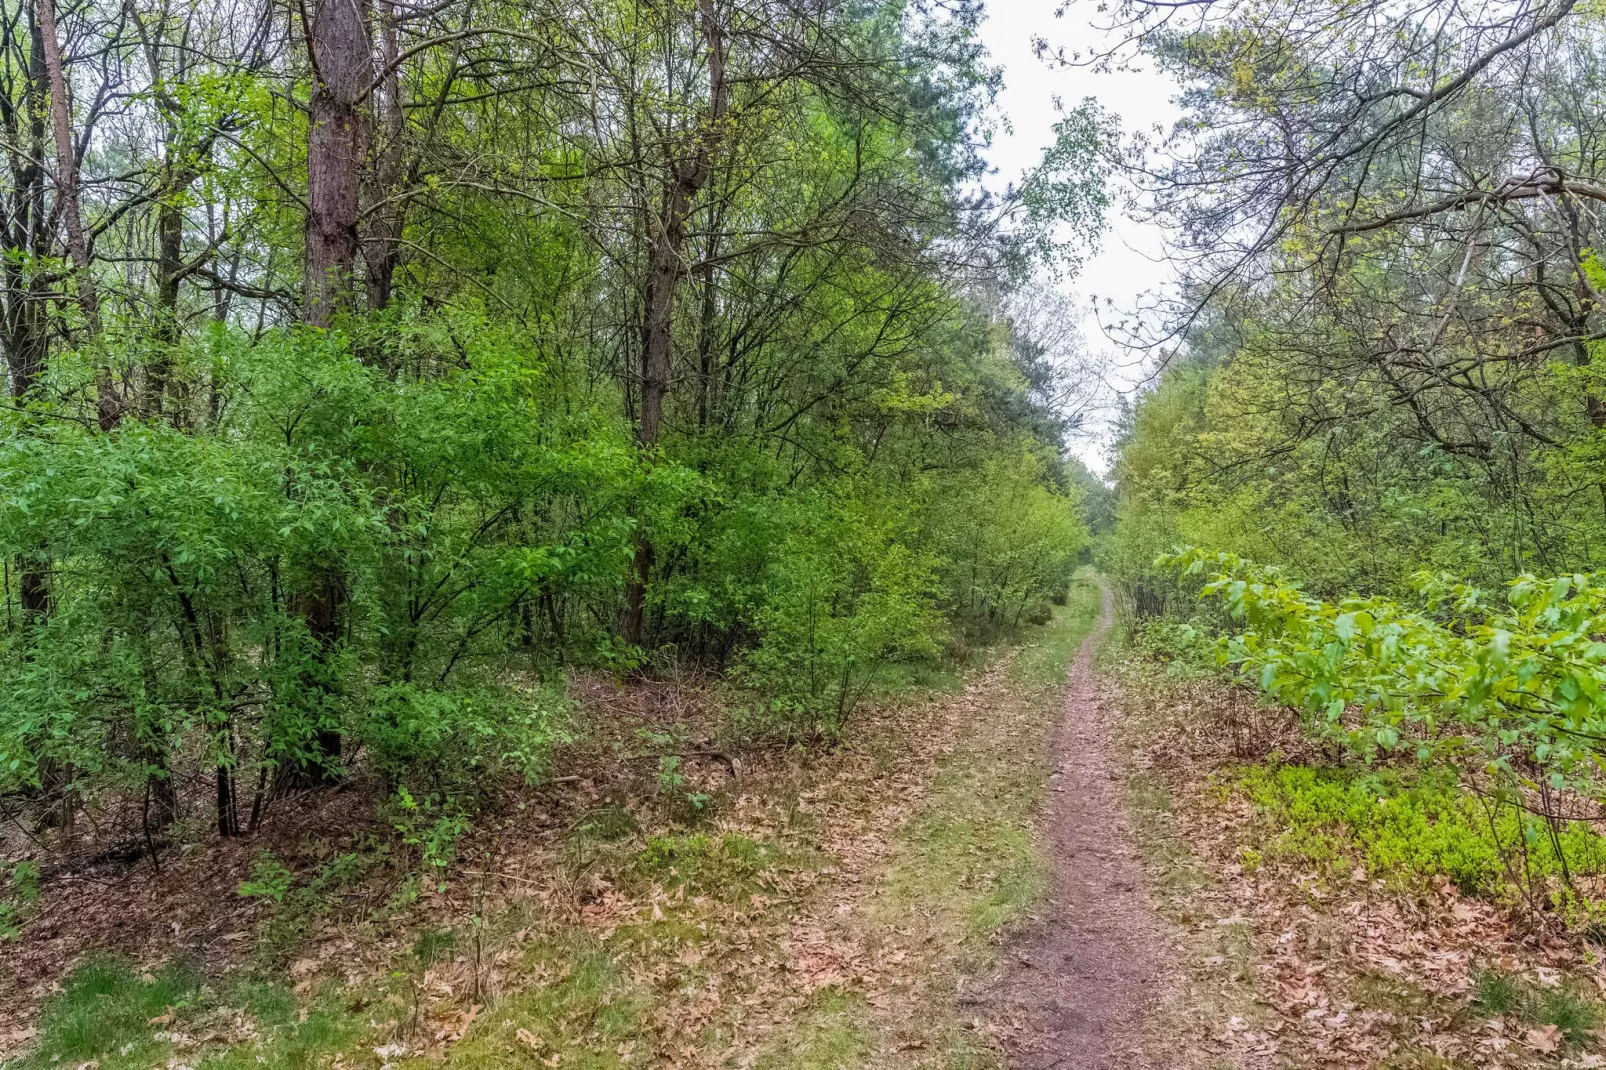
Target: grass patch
<point x="294" y="1037"/>
<point x="1043" y="660"/>
<point x="105" y="1013"/>
<point x="731" y="866"/>
<point x="838" y="1031"/>
<point x="1565" y="1006"/>
<point x="113" y="1016"/>
<point x="584" y="1010"/>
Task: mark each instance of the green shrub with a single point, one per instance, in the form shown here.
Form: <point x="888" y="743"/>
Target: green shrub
<point x="461" y="741"/>
<point x="343" y="552"/>
<point x="845" y="594"/>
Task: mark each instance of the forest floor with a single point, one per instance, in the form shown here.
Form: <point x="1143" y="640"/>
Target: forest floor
<point x="1284" y="944"/>
<point x="782" y="909"/>
<point x="1046" y="861"/>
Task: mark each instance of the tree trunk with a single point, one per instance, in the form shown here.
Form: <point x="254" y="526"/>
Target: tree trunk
<point x="26" y="340"/>
<point x="382" y="245"/>
<point x="339" y="48"/>
<point x="665" y="258"/>
<point x="321" y="605"/>
<point x="109" y="402"/>
<point x="228" y="807"/>
<point x="169" y="274"/>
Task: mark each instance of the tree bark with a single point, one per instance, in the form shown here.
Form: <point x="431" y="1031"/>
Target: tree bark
<point x="339" y="48"/>
<point x="26" y="340"/>
<point x="381" y="247"/>
<point x="169" y="275"/>
<point x="340" y="51"/>
<point x="109" y="402"/>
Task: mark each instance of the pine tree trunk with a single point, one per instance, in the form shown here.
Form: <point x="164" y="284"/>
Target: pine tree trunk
<point x="342" y="66"/>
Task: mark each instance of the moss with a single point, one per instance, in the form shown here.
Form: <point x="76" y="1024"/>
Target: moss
<point x="1409" y="827"/>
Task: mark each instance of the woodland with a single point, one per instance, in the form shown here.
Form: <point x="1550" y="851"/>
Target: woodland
<point x="547" y="533"/>
<point x="371" y="365"/>
<point x="1362" y="490"/>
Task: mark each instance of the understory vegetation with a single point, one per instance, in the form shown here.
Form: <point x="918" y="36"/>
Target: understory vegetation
<point x="372" y="375"/>
<point x="1367" y="488"/>
<point x="679" y="951"/>
<point x="1361" y="502"/>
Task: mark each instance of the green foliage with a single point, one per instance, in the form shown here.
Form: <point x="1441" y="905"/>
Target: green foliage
<point x="445" y="506"/>
<point x="17" y="893"/>
<point x="1515" y="689"/>
<point x="844" y="595"/>
<point x="1410" y="827"/>
<point x="269" y="879"/>
<point x="994" y="570"/>
<point x="1498" y="993"/>
<point x="431" y="825"/>
<point x="461" y="741"/>
<point x="1507" y="698"/>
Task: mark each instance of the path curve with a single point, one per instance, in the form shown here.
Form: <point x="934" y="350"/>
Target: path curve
<point x="1075" y="987"/>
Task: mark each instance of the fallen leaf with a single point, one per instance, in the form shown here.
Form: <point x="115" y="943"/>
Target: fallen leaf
<point x="1543" y="1038"/>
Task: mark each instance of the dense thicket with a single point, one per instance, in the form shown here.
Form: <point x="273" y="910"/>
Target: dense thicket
<point x="372" y="362"/>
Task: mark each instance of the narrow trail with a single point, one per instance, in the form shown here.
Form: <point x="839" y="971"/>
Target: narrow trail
<point x="1074" y="988"/>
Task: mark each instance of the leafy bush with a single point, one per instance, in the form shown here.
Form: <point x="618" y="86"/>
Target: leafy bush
<point x="1511" y="698"/>
<point x="844" y="594"/>
<point x="344" y="554"/>
<point x="1004" y="541"/>
<point x="461" y="741"/>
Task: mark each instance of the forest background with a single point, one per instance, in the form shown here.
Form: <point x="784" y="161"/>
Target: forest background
<point x="372" y="365"/>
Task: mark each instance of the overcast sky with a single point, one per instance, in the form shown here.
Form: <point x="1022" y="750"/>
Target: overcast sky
<point x="1128" y="264"/>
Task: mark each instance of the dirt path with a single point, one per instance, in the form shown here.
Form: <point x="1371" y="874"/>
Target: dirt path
<point x="1075" y="986"/>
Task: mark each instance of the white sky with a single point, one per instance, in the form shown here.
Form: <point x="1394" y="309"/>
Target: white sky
<point x="1129" y="263"/>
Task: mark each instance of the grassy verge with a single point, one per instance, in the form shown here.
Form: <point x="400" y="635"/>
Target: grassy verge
<point x="967" y="866"/>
